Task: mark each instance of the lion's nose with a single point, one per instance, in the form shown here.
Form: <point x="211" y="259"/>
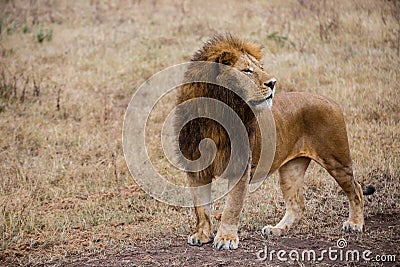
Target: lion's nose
<point x="270" y="84"/>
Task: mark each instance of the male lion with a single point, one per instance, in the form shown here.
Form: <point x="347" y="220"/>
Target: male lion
<point x="308" y="127"/>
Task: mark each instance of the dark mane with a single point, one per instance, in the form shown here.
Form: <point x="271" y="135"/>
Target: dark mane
<point x="196" y="130"/>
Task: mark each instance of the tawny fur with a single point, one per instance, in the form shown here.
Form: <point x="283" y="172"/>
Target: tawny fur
<point x="308" y="127"/>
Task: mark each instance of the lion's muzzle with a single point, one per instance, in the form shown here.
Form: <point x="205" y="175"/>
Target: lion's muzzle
<point x="267" y="93"/>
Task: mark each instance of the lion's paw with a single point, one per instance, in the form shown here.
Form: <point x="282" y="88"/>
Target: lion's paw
<point x="226" y="242"/>
<point x="349" y="226"/>
<point x="198" y="239"/>
<point x="272" y="230"/>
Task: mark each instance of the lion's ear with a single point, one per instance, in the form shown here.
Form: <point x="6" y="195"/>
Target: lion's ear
<point x="227" y="58"/>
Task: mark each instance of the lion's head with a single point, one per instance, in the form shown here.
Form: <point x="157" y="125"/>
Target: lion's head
<point x="245" y="57"/>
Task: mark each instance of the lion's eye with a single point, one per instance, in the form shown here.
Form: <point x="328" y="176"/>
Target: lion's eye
<point x="248" y="70"/>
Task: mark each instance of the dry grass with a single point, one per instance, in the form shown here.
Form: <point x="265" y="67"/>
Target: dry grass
<point x="68" y="70"/>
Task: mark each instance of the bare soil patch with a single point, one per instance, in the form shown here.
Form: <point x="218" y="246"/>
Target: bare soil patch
<point x="382" y="237"/>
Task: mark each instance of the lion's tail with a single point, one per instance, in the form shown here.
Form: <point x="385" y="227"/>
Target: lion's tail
<point x="369" y="190"/>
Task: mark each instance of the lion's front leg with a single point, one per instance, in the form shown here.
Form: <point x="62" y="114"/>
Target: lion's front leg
<point x="227" y="235"/>
<point x="201" y="195"/>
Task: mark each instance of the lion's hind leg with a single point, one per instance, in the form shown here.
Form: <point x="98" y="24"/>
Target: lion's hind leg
<point x="291" y="179"/>
<point x="343" y="174"/>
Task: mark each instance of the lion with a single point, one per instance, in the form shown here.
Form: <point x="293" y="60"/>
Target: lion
<point x="308" y="127"/>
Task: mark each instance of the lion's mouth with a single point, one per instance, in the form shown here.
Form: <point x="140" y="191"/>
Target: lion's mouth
<point x="258" y="102"/>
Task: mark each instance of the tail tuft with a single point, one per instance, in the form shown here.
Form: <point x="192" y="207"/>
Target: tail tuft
<point x="369" y="190"/>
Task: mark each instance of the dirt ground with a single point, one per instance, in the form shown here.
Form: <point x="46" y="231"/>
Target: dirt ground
<point x="382" y="237"/>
